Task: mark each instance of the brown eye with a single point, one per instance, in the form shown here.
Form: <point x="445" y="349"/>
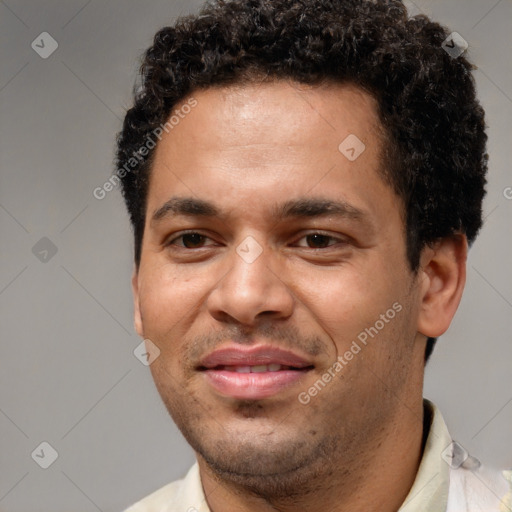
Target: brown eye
<point x="190" y="240"/>
<point x="318" y="241"/>
<point x="193" y="240"/>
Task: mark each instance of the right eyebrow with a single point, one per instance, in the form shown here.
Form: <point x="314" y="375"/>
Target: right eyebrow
<point x="185" y="206"/>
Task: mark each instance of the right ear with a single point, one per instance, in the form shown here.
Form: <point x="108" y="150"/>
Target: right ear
<point x="137" y="317"/>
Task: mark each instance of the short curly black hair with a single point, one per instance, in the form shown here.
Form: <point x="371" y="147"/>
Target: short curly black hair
<point x="436" y="157"/>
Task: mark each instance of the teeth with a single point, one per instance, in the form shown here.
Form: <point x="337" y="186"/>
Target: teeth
<point x="260" y="368"/>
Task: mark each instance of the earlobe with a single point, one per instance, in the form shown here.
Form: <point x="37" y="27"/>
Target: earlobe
<point x="137" y="317"/>
<point x="444" y="275"/>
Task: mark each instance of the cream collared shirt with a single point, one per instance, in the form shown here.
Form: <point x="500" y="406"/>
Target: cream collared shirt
<point x="442" y="484"/>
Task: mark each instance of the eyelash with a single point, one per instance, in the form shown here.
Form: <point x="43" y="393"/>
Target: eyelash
<point x="330" y="237"/>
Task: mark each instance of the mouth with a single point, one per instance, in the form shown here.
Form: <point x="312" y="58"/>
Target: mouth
<point x="253" y="373"/>
<point x="260" y="368"/>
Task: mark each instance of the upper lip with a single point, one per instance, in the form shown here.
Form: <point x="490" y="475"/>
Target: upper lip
<point x="238" y="355"/>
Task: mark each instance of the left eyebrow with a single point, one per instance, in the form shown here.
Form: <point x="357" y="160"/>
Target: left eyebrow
<point x="316" y="207"/>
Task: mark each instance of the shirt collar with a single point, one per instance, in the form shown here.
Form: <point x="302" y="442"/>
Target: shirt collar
<point x="429" y="492"/>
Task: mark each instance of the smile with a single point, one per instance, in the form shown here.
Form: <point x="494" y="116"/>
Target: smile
<point x="253" y="373"/>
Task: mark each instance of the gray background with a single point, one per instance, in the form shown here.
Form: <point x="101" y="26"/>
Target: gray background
<point x="68" y="373"/>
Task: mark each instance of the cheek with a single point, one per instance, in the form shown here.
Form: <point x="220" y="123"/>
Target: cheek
<point x="168" y="297"/>
<point x="344" y="300"/>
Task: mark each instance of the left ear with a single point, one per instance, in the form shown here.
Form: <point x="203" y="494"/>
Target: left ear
<point x="444" y="275"/>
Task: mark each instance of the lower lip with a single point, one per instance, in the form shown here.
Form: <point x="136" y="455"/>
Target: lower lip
<point x="252" y="386"/>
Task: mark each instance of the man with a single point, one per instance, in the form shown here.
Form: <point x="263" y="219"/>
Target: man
<point x="303" y="179"/>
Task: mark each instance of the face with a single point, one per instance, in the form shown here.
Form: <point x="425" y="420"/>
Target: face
<point x="271" y="258"/>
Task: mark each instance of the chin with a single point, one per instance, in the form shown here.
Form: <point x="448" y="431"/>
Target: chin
<point x="267" y="465"/>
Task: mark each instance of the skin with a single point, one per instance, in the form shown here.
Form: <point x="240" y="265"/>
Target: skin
<point x="247" y="149"/>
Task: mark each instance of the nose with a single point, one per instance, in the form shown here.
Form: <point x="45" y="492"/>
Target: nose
<point x="251" y="291"/>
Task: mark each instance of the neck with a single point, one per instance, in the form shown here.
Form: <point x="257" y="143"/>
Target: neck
<point x="379" y="478"/>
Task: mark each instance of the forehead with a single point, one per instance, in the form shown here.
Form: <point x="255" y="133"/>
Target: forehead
<point x="278" y="136"/>
<point x="275" y="113"/>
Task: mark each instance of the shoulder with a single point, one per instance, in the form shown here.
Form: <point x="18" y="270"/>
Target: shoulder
<point x="479" y="489"/>
<point x="185" y="495"/>
<point x="158" y="499"/>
